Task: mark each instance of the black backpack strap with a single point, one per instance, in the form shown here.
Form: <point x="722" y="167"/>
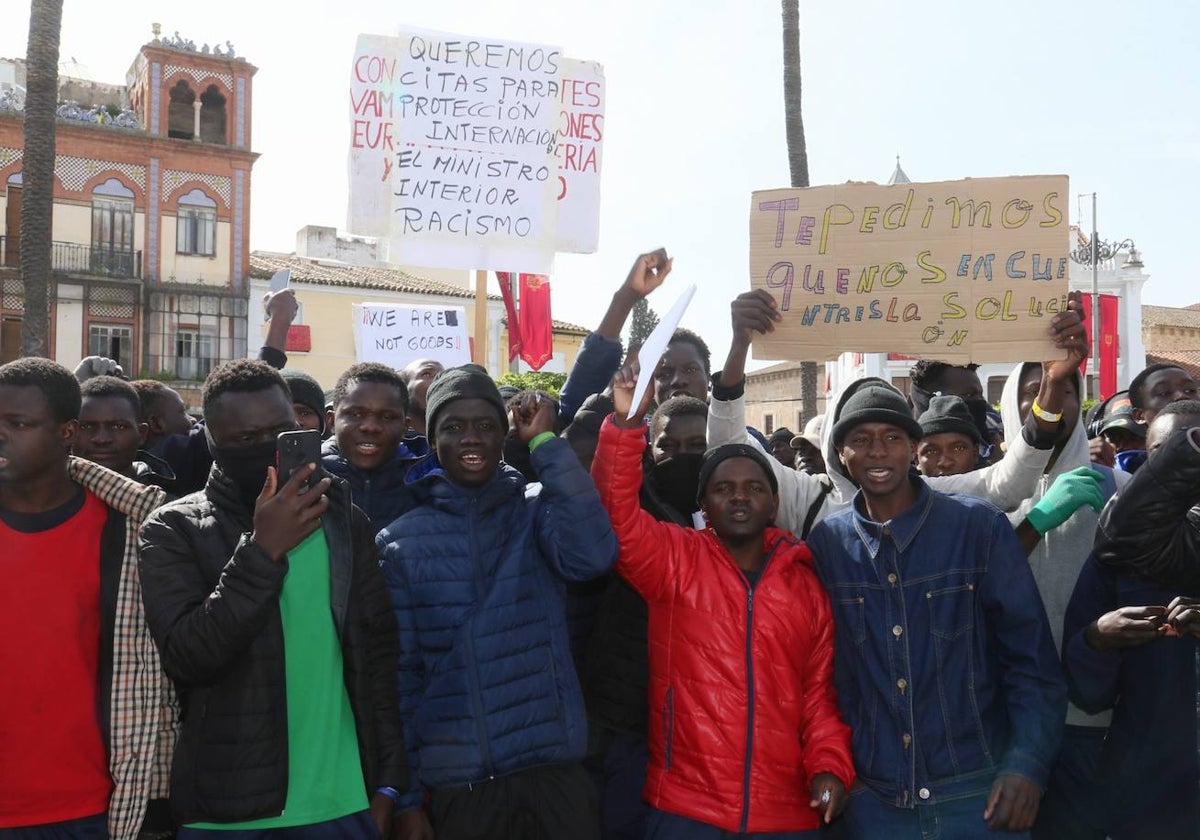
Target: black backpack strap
<point x="815" y="508"/>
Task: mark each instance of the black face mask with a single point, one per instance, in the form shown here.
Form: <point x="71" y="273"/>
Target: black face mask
<point x="245" y="466"/>
<point x="676" y="480"/>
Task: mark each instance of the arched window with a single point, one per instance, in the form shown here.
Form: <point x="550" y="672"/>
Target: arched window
<point x="112" y="229"/>
<point x="181" y="114"/>
<point x="196" y="225"/>
<point x="212" y="116"/>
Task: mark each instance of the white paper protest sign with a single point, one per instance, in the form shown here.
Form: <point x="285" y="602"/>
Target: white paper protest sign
<point x="474" y="183"/>
<point x="395" y="335"/>
<point x="579" y="149"/>
<point x="656" y="344"/>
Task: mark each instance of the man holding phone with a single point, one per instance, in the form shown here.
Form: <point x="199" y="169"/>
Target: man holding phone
<point x="267" y="605"/>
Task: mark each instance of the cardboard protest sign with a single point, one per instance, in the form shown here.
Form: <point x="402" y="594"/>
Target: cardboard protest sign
<point x="471" y="123"/>
<point x="960" y="271"/>
<point x="396" y="335"/>
<point x="579" y="150"/>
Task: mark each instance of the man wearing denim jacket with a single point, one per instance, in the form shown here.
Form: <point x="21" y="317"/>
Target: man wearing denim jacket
<point x="944" y="663"/>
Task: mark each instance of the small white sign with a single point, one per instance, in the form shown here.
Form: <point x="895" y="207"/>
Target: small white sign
<point x="396" y="335"/>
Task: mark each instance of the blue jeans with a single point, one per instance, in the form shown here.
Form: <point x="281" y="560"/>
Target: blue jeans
<point x="359" y="826"/>
<point x="663" y="826"/>
<point x="84" y="828"/>
<point x="870" y="818"/>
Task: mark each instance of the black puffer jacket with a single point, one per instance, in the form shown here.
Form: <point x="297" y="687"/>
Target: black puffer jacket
<point x="212" y="603"/>
<point x="1151" y="529"/>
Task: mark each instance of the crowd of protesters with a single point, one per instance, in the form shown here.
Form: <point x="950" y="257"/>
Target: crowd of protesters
<point x="478" y="613"/>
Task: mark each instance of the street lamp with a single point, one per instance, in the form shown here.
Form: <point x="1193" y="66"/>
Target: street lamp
<point x="1094" y="253"/>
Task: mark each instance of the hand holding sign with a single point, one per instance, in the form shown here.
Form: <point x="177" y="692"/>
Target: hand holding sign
<point x="624" y="385"/>
<point x="753" y="312"/>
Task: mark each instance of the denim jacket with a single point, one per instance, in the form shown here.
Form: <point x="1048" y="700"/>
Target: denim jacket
<point x="943" y="660"/>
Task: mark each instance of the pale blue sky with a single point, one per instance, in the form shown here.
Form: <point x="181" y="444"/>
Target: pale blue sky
<point x="1106" y="92"/>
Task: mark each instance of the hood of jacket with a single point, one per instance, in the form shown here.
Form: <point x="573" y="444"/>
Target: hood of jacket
<point x="842" y="485"/>
<point x="1059" y="556"/>
<point x="1074" y="454"/>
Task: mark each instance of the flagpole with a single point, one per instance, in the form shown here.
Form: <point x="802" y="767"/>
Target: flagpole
<point x="481" y="318"/>
<point x="1095" y="325"/>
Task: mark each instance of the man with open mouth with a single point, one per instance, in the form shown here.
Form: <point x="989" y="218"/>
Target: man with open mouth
<point x="491" y="703"/>
<point x="944" y="663"/>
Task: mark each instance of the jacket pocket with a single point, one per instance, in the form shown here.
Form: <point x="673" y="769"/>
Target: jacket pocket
<point x="849" y="615"/>
<point x="951" y="610"/>
<point x="668" y="713"/>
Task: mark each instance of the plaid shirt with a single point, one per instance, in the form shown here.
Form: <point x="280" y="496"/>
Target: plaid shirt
<point x="144" y="711"/>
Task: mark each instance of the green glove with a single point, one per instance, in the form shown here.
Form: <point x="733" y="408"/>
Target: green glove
<point x="1069" y="492"/>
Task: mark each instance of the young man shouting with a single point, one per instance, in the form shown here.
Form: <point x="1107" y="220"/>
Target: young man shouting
<point x="745" y="736"/>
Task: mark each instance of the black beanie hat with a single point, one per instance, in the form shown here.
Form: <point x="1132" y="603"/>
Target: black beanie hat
<point x="461" y="383"/>
<point x="948" y="413"/>
<point x="714" y="457"/>
<point x="875" y="404"/>
<point x="306" y="391"/>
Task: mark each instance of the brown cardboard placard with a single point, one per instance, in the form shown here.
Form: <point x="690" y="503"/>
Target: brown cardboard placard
<point x="969" y="270"/>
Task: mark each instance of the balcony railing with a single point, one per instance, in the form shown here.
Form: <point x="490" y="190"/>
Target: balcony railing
<point x="74" y="258"/>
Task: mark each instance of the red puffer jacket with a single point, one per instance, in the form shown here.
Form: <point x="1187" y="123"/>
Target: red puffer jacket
<point x="742" y="707"/>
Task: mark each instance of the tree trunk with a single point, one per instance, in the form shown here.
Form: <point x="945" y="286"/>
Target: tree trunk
<point x="797" y="149"/>
<point x="37" y="173"/>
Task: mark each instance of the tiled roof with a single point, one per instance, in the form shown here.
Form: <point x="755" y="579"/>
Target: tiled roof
<point x="1189" y="360"/>
<point x="1170" y="316"/>
<point x="330" y="273"/>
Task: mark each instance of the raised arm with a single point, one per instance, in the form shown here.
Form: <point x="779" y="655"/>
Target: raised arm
<point x="1015" y="477"/>
<point x="651" y="552"/>
<point x="600" y="355"/>
<point x="750" y="313"/>
<point x="572" y="527"/>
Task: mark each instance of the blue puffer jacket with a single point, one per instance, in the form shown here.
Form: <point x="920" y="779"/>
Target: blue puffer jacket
<point x="487" y="686"/>
<point x="381" y="494"/>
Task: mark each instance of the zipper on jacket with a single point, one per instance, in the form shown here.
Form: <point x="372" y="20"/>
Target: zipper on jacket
<point x="762" y="575"/>
<point x="485" y="747"/>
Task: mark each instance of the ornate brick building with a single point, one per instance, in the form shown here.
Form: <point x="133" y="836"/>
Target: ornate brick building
<point x="151" y="221"/>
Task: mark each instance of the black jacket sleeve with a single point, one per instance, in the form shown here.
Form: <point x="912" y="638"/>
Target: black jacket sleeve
<point x="381" y="650"/>
<point x="201" y="628"/>
<point x="1151" y="529"/>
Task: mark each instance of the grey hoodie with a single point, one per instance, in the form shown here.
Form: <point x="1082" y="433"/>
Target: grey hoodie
<point x="1005" y="484"/>
<point x="1058" y="557"/>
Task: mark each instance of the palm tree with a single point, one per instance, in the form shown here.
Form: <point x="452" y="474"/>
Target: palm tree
<point x="797" y="149"/>
<point x="37" y="173"/>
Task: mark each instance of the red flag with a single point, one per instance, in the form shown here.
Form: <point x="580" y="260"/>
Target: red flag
<point x="537" y="328"/>
<point x="510" y="308"/>
<point x="530" y="330"/>
<point x="1110" y="342"/>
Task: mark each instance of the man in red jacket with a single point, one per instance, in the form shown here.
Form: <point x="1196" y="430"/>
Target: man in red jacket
<point x="745" y="736"/>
